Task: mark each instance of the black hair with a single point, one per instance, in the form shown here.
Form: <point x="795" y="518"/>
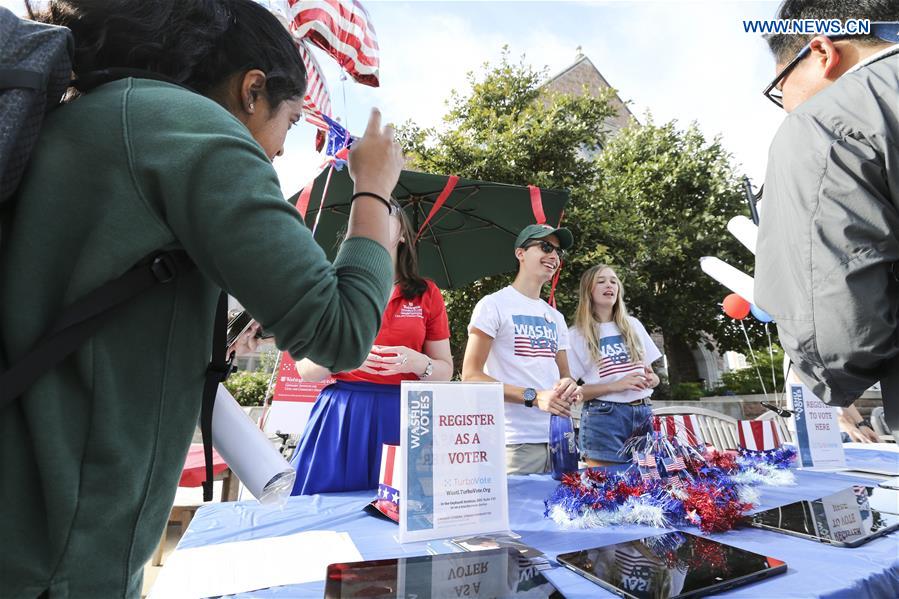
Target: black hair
<point x="199" y="43"/>
<point x="411" y="284"/>
<point x="785" y="46"/>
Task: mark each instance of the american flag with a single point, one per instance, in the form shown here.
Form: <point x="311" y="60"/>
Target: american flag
<point x="615" y="365"/>
<point x="648" y="474"/>
<point x="673" y="464"/>
<point x="675" y="482"/>
<point x="534" y="348"/>
<point x="534" y="336"/>
<point x="317" y="101"/>
<point x="343" y="29"/>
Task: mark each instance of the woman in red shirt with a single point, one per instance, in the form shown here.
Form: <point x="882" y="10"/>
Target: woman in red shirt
<point x="352" y="418"/>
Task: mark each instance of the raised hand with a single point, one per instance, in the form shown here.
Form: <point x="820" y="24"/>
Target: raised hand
<point x="375" y="161"/>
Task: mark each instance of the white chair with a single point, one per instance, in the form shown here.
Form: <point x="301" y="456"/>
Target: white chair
<point x="718" y="430"/>
<point x="781" y="424"/>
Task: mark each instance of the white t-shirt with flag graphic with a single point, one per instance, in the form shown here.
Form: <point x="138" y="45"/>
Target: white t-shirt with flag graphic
<point x="616" y="361"/>
<point x="527" y="334"/>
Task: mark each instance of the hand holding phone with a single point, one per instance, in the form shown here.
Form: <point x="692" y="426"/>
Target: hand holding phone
<point x="244" y="333"/>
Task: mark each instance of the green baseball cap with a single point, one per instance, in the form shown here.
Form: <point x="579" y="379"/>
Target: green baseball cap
<point x="566" y="239"/>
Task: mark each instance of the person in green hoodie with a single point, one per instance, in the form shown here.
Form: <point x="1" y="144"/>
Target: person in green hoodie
<point x="91" y="454"/>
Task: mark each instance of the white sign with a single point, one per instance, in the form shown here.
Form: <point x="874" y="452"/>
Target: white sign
<point x="817" y="431"/>
<point x="452" y="448"/>
<point x="847" y="515"/>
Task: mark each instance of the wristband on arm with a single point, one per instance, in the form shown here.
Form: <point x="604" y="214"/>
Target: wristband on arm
<point x="390" y="206"/>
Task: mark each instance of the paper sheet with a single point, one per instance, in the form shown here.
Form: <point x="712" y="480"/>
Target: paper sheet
<point x="244" y="566"/>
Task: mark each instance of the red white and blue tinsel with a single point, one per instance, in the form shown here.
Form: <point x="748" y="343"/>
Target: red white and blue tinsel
<point x="670" y="483"/>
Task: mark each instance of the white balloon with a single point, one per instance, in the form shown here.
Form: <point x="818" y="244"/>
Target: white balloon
<point x="745" y="231"/>
<point x="735" y="280"/>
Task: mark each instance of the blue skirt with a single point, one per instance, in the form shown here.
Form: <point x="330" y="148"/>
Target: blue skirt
<point x="341" y="445"/>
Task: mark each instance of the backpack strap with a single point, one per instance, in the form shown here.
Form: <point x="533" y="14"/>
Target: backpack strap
<point x="218" y="370"/>
<point x="80" y="320"/>
<point x="23" y="78"/>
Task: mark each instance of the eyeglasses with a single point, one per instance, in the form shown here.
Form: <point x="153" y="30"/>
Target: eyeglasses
<point x="547" y="248"/>
<point x="773" y="92"/>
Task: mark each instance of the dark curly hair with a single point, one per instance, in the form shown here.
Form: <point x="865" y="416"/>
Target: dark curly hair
<point x="199" y="43"/>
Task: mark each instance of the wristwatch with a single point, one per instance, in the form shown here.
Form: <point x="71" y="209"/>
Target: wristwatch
<point x="864" y="422"/>
<point x="429" y="369"/>
<point x="530" y="394"/>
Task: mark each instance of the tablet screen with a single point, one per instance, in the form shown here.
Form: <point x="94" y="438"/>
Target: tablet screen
<point x="851" y="516"/>
<point x="490" y="573"/>
<point x="670" y="565"/>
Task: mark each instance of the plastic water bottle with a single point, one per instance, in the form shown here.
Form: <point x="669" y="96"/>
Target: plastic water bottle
<point x="562" y="446"/>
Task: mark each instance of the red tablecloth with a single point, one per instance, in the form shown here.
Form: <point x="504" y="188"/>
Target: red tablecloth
<point x="194" y="472"/>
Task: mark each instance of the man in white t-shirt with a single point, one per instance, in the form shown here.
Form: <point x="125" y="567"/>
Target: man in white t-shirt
<point x="516" y="338"/>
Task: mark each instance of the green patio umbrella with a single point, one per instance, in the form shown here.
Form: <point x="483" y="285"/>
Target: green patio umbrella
<point x="471" y="236"/>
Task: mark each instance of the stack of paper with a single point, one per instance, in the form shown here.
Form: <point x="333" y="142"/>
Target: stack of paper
<point x="229" y="568"/>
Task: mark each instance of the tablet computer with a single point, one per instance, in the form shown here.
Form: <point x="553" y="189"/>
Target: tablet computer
<point x="490" y="573"/>
<point x="675" y="564"/>
<point x="848" y="518"/>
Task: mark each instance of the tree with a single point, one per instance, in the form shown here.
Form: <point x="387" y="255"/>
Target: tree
<point x="652" y="200"/>
<point x="663" y="201"/>
<point x="507" y="129"/>
<point x="757" y="376"/>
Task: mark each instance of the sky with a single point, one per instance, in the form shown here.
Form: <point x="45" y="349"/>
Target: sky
<point x="683" y="61"/>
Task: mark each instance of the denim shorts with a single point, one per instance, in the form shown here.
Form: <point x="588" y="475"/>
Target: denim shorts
<point x="606" y="426"/>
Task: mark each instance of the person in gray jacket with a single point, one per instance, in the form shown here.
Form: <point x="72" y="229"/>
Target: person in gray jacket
<point x="827" y="261"/>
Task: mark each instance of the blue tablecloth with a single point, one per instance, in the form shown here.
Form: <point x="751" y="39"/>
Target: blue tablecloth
<point x="814" y="569"/>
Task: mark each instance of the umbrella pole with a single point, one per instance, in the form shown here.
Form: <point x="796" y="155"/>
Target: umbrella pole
<point x="321" y="204"/>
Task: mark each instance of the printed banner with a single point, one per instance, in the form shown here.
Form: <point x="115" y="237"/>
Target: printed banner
<point x="817" y="431"/>
<point x="452" y="448"/>
<point x="290" y="387"/>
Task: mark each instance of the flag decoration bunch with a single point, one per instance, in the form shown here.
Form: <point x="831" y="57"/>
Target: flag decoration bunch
<point x="670" y="482"/>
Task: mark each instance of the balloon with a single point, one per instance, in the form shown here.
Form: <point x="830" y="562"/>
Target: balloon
<point x="736" y="307"/>
<point x="735" y="280"/>
<point x="343" y="29"/>
<point x="760" y="315"/>
<point x="744" y="230"/>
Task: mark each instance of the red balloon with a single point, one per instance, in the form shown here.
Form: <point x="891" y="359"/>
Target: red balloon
<point x="736" y="307"/>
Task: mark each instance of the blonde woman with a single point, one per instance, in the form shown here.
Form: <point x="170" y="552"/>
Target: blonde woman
<point x="612" y="353"/>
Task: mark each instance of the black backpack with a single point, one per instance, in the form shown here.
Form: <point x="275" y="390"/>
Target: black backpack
<point x="35" y="72"/>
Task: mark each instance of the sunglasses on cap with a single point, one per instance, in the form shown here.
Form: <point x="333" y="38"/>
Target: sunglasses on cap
<point x="547" y="248"/>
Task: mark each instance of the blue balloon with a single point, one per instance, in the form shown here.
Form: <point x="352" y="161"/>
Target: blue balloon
<point x="760" y="315"/>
